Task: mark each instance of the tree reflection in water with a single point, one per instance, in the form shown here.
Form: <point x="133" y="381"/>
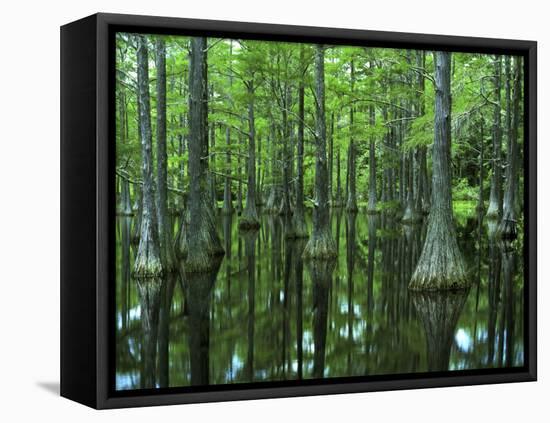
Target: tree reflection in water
<point x="198" y="290"/>
<point x="439" y="312"/>
<point x="321" y="277"/>
<point x="266" y="315"/>
<point x="149" y="293"/>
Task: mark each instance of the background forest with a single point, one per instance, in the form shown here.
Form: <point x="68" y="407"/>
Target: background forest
<point x="244" y="155"/>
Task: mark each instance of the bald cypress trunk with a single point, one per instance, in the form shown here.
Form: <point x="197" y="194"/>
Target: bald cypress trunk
<point x="331" y="159"/>
<point x="480" y="205"/>
<point x="299" y="222"/>
<point x="495" y="204"/>
<point x="125" y="204"/>
<point x="239" y="205"/>
<point x="410" y="215"/>
<point x="259" y="170"/>
<point x="182" y="142"/>
<point x="423" y="185"/>
<point x="227" y="197"/>
<point x="441" y="265"/>
<point x="351" y="205"/>
<point x="165" y="233"/>
<point x="148" y="259"/>
<point x="249" y="218"/>
<point x="320" y="244"/>
<point x="203" y="240"/>
<point x="285" y="209"/>
<point x="212" y="165"/>
<point x="371" y="209"/>
<point x="136" y="226"/>
<point x="508" y="226"/>
<point x="338" y="196"/>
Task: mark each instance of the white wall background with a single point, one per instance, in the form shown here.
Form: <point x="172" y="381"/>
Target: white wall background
<point x="29" y="209"/>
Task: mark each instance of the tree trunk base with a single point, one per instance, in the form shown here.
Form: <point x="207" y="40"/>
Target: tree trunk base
<point x="181" y="245"/>
<point x="480" y="209"/>
<point x="440" y="266"/>
<point x="271" y="204"/>
<point x="200" y="263"/>
<point x="170" y="261"/>
<point x="206" y="245"/>
<point x="492" y="212"/>
<point x="124" y="213"/>
<point x="410" y="217"/>
<point x="146" y="267"/>
<point x="321" y="247"/>
<point x="227" y="211"/>
<point x="247" y="223"/>
<point x="300" y="227"/>
<point x="372" y="209"/>
<point x="507" y="230"/>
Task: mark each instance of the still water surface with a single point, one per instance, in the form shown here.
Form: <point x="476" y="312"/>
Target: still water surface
<point x="265" y="315"/>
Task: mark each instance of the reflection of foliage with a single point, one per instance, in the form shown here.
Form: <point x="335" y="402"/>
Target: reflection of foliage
<point x="387" y="337"/>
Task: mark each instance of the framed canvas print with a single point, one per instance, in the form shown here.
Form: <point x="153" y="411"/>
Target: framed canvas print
<point x="255" y="211"/>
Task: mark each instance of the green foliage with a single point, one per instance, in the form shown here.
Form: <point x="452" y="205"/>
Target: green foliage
<point x="463" y="191"/>
<point x="397" y="85"/>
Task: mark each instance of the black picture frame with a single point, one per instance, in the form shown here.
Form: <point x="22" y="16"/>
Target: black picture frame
<point x="87" y="209"/>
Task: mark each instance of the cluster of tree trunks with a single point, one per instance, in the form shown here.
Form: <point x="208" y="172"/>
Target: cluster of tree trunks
<point x="440" y="265"/>
<point x="434" y="266"/>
